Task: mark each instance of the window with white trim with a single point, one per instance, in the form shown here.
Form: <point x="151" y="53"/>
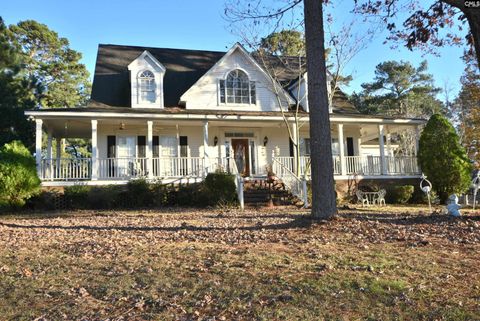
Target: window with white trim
<point x="237" y="89"/>
<point x="146" y="79"/>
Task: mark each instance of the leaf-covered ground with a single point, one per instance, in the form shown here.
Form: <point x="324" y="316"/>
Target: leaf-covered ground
<point x="367" y="264"/>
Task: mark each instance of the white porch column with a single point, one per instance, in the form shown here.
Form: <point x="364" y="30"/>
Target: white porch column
<point x="49" y="155"/>
<point x="383" y="163"/>
<point x="343" y="167"/>
<point x="38" y="146"/>
<point x="205" y="146"/>
<point x="94" y="150"/>
<point x="149" y="151"/>
<point x="295" y="152"/>
<point x="58" y="155"/>
<point x="359" y="146"/>
<point x="388" y="138"/>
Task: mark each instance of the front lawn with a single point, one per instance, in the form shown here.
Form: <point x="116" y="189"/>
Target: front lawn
<point x="368" y="264"/>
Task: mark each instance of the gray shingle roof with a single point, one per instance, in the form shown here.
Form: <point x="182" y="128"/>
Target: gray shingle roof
<point x="111" y="81"/>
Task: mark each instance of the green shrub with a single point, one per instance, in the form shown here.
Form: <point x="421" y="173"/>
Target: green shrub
<point x="18" y="175"/>
<point x="138" y="194"/>
<point x="220" y="187"/>
<point x="106" y="197"/>
<point x="400" y="194"/>
<point x="76" y="196"/>
<point x="443" y="159"/>
<point x="45" y="201"/>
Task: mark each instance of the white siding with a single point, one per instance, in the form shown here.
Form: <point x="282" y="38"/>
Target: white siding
<point x="205" y="93"/>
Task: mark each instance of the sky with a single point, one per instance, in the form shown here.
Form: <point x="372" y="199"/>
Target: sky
<point x="194" y="24"/>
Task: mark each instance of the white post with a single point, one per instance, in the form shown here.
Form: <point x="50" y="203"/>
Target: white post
<point x="240" y="192"/>
<point x="49" y="155"/>
<point x="383" y="165"/>
<point x="149" y="151"/>
<point x="389" y="144"/>
<point x="205" y="145"/>
<point x="94" y="150"/>
<point x="58" y="155"/>
<point x="343" y="166"/>
<point x="38" y="146"/>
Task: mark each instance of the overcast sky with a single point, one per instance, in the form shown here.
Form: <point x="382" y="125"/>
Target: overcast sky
<point x="194" y="24"/>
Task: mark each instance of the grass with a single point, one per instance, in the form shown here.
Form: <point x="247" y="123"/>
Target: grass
<point x="397" y="264"/>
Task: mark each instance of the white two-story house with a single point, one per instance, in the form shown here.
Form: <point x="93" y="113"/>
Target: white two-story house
<point x="172" y="113"/>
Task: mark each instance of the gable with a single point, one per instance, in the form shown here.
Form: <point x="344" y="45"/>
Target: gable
<point x="111" y="81"/>
<point x="204" y="94"/>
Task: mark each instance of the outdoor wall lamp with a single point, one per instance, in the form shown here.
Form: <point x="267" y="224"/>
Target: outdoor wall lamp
<point x="122" y="126"/>
<point x="215" y="141"/>
<point x="265" y="141"/>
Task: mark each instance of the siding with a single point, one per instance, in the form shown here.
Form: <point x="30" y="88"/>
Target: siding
<point x="204" y="94"/>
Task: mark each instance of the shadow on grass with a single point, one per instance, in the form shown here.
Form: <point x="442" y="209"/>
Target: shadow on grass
<point x="296" y="223"/>
<point x="407" y="219"/>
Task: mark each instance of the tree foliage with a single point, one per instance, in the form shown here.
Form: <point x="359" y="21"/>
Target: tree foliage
<point x="16" y="93"/>
<point x="49" y="60"/>
<point x="287" y="42"/>
<point x="466" y="109"/>
<point x="399" y="89"/>
<point x="443" y="159"/>
<point x="428" y="24"/>
<point x="18" y="175"/>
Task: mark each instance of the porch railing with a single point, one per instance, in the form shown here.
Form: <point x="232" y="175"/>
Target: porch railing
<point x="65" y="169"/>
<point x="361" y="165"/>
<point x="294" y="184"/>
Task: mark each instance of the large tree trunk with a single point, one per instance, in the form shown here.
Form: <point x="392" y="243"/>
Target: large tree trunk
<point x="323" y="187"/>
<point x="473" y="18"/>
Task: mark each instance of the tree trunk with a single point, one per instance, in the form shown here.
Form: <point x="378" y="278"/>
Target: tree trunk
<point x="473" y="18"/>
<point x="323" y="187"/>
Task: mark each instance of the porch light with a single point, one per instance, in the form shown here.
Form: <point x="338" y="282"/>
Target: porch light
<point x="265" y="141"/>
<point x="122" y="126"/>
<point x="215" y="141"/>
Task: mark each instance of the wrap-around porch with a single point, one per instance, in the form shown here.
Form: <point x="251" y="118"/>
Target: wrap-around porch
<point x="168" y="149"/>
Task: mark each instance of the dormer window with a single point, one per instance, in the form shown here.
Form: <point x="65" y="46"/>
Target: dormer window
<point x="146" y="81"/>
<point x="237" y="89"/>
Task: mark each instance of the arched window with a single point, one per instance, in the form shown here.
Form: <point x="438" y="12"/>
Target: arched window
<point x="237" y="89"/>
<point x="147" y="86"/>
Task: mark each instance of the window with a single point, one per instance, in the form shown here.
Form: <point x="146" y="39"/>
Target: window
<point x="147" y="87"/>
<point x="237" y="89"/>
<point x="335" y="147"/>
<point x="169" y="146"/>
<point x="304" y="146"/>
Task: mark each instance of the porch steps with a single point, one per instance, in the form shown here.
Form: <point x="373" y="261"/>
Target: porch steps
<point x="261" y="193"/>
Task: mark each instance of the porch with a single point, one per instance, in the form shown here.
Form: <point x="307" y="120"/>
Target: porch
<point x="162" y="146"/>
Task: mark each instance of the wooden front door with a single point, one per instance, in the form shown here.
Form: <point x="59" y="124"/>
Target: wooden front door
<point x="241" y="155"/>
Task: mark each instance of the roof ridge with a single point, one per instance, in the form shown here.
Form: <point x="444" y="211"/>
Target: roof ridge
<point x="162" y="48"/>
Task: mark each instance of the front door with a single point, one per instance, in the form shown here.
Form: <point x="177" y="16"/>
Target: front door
<point x="242" y="156"/>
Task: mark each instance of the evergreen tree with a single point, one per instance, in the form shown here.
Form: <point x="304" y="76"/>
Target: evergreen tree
<point x="16" y="93"/>
<point x="443" y="159"/>
<point x="399" y="89"/>
<point x="49" y="59"/>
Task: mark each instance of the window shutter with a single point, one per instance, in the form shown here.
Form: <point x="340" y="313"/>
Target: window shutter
<point x="111" y="146"/>
<point x="222" y="91"/>
<point x="141" y="143"/>
<point x="183" y="141"/>
<point x="156" y="149"/>
<point x="350" y="150"/>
